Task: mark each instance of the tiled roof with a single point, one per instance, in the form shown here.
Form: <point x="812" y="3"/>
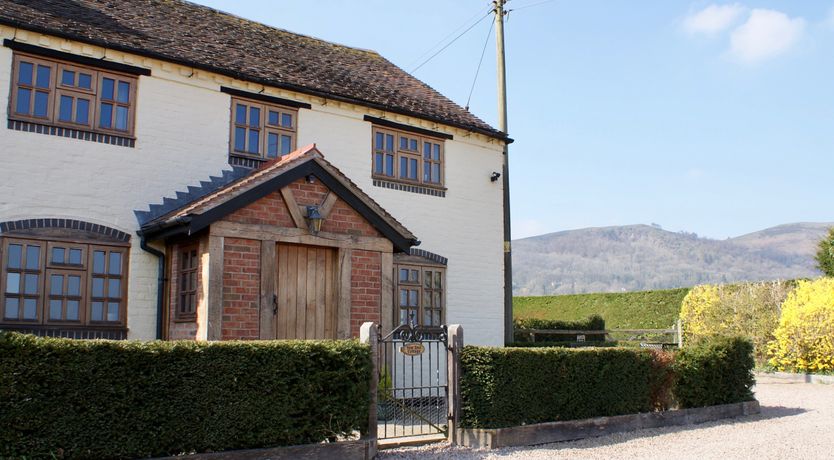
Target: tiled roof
<point x="218" y="190"/>
<point x="201" y="37"/>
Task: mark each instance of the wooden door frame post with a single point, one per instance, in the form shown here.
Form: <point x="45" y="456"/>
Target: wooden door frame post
<point x="369" y="335"/>
<point x="455" y="346"/>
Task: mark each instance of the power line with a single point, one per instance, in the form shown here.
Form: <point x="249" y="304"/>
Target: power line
<point x="443" y="40"/>
<point x="478" y="70"/>
<point x="450" y="43"/>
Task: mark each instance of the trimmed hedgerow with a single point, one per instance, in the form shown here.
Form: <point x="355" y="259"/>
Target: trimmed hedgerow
<point x="606" y="344"/>
<point x="516" y="386"/>
<point x="718" y="370"/>
<point x="592" y="323"/>
<point x="110" y="399"/>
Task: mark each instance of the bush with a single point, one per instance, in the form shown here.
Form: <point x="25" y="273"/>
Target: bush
<point x="825" y="254"/>
<point x="606" y="344"/>
<point x="516" y="386"/>
<point x="804" y="340"/>
<point x="747" y="309"/>
<point x="718" y="370"/>
<point x="592" y="323"/>
<point x="110" y="399"/>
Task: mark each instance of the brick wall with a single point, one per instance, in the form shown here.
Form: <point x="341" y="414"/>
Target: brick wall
<point x="241" y="289"/>
<point x="269" y="210"/>
<point x="366" y="284"/>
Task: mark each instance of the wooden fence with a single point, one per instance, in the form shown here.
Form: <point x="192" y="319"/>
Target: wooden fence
<point x="648" y="338"/>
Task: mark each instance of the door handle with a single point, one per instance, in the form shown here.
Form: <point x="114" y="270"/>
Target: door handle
<point x="274" y="304"/>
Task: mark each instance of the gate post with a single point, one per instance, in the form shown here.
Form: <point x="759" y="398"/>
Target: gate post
<point x="455" y="345"/>
<point x="369" y="335"/>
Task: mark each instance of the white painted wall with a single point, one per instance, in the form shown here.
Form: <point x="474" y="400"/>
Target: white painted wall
<point x="182" y="131"/>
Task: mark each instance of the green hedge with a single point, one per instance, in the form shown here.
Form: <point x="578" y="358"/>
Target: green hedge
<point x="592" y="323"/>
<point x="607" y="344"/>
<point x="517" y="386"/>
<point x="109" y="399"/>
<point x="714" y="371"/>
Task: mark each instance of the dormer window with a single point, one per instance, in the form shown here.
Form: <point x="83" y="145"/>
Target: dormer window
<point x="261" y="130"/>
<point x="407" y="157"/>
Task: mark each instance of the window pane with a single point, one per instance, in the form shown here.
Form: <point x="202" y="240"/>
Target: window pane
<point x="106" y="116"/>
<point x="82" y="111"/>
<point x="254" y="117"/>
<point x="435" y="172"/>
<point x="403" y="297"/>
<point x="30" y="309"/>
<point x="72" y="310"/>
<point x="184" y="282"/>
<point x="44" y="73"/>
<point x="436" y="317"/>
<point x="403" y="143"/>
<point x="65" y="109"/>
<point x="114" y="288"/>
<point x="272" y="145"/>
<point x="24" y="74"/>
<point x="97" y="311"/>
<point x="123" y="95"/>
<point x="85" y="80"/>
<point x="75" y="256"/>
<point x="30" y="284"/>
<point x="389" y="142"/>
<point x="403" y="274"/>
<point x="68" y="78"/>
<point x="121" y="118"/>
<point x="426" y="171"/>
<point x="33" y="257"/>
<point x="13" y="283"/>
<point x="56" y="285"/>
<point x="254" y="141"/>
<point x="438" y="284"/>
<point x="427" y="318"/>
<point x="413" y="298"/>
<point x="378" y="163"/>
<point x="286" y="144"/>
<point x="98" y="261"/>
<point x="412" y="168"/>
<point x="240" y="114"/>
<point x="427" y="149"/>
<point x="286" y="120"/>
<point x="113" y="311"/>
<point x="378" y="141"/>
<point x="415" y="276"/>
<point x="14" y="256"/>
<point x="58" y="255"/>
<point x="413" y="144"/>
<point x="403" y="316"/>
<point x="389" y="165"/>
<point x="403" y="167"/>
<point x="74" y="286"/>
<point x="41" y="103"/>
<point x="436" y="155"/>
<point x="23" y="98"/>
<point x="12" y="308"/>
<point x="107" y="88"/>
<point x="98" y="287"/>
<point x="193" y="259"/>
<point x="240" y="139"/>
<point x="437" y="303"/>
<point x="55" y="308"/>
<point x="115" y="263"/>
<point x="273" y="118"/>
<point x="427" y="279"/>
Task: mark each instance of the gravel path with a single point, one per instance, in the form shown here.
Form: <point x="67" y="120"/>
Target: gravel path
<point x="797" y="422"/>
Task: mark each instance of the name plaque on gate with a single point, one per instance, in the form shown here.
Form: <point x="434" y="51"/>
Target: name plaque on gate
<point x="412" y="349"/>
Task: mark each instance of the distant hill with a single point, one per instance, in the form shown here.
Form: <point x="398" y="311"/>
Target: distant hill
<point x="643" y="257"/>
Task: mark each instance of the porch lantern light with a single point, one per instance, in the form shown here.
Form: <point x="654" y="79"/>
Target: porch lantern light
<point x="314" y="219"/>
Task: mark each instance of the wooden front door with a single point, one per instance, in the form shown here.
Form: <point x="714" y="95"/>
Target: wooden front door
<point x="307" y="287"/>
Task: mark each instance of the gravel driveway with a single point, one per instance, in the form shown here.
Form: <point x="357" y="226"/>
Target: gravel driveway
<point x="797" y="422"/>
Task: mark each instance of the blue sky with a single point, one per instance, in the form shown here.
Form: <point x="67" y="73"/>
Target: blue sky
<point x="710" y="117"/>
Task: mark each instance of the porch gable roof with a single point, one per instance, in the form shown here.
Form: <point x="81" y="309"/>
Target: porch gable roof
<point x="194" y="211"/>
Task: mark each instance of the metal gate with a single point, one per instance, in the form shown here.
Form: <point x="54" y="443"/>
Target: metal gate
<point x="413" y="389"/>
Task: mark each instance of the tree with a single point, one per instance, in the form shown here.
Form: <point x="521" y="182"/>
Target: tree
<point x="825" y="254"/>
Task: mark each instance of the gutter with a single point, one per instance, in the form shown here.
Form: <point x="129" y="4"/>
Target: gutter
<point x="160" y="283"/>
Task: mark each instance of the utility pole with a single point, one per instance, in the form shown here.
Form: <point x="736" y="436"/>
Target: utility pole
<point x="505" y="173"/>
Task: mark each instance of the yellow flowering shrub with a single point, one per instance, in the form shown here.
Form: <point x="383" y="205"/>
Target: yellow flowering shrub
<point x="804" y="340"/>
<point x="747" y="309"/>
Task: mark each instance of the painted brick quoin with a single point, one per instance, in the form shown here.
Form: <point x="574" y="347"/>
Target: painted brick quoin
<point x="241" y="289"/>
<point x="366" y="277"/>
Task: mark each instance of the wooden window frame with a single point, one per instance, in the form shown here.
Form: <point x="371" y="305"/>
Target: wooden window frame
<point x="57" y="89"/>
<point x="84" y="270"/>
<point x="408" y="154"/>
<point x="22" y="271"/>
<point x="420" y="287"/>
<point x="179" y="313"/>
<point x="264" y="128"/>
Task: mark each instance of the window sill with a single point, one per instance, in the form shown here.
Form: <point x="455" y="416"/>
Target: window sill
<point x="187" y="319"/>
<point x="73" y="133"/>
<point x="438" y="191"/>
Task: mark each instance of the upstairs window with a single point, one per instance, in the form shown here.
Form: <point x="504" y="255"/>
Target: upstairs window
<point x="262" y="130"/>
<point x="72" y="96"/>
<point x="407" y="157"/>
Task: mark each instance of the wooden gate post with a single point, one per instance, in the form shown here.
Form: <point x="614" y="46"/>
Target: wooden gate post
<point x="369" y="335"/>
<point x="455" y="345"/>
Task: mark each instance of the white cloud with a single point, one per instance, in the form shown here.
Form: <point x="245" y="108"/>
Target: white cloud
<point x="713" y="19"/>
<point x="765" y="34"/>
